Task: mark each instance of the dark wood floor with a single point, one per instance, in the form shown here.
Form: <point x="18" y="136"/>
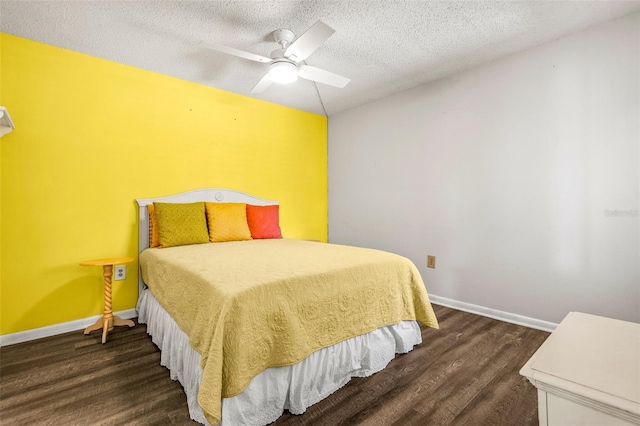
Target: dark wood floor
<point x="464" y="373"/>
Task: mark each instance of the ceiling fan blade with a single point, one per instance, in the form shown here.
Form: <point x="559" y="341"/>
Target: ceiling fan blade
<point x="236" y="52"/>
<point x="322" y="76"/>
<point x="308" y="42"/>
<point x="262" y="85"/>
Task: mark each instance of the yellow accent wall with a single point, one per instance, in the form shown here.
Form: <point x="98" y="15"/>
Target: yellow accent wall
<point x="92" y="136"/>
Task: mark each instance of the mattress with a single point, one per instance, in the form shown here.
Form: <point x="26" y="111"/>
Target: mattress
<point x="276" y="389"/>
<point x="247" y="306"/>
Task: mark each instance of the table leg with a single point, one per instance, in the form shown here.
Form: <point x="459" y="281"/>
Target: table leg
<point x="107" y="323"/>
<point x="97" y="325"/>
<point x="105" y="330"/>
<point x="119" y="321"/>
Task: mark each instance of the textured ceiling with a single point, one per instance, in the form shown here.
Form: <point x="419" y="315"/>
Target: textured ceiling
<point x="383" y="46"/>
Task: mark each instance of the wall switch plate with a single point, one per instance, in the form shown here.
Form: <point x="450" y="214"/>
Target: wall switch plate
<point x="121" y="273"/>
<point x="431" y="262"/>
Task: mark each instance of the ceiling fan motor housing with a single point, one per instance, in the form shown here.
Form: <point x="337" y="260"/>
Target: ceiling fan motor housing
<point x="278" y="56"/>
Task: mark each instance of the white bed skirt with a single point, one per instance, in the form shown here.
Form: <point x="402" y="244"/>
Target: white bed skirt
<point x="271" y="392"/>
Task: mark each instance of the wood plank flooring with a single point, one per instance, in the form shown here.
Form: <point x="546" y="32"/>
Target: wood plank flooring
<point x="466" y="373"/>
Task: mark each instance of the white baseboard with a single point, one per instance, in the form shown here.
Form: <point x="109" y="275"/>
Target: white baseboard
<point x="494" y="313"/>
<point x="52" y="330"/>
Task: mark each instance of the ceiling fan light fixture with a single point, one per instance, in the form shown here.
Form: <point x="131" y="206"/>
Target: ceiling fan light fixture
<point x="283" y="72"/>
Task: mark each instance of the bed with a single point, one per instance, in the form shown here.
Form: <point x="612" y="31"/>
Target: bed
<point x="255" y="327"/>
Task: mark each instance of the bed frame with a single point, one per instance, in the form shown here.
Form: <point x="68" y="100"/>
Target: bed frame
<point x="399" y="338"/>
<point x="212" y="195"/>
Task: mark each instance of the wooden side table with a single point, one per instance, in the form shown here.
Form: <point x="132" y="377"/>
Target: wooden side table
<point x="108" y="320"/>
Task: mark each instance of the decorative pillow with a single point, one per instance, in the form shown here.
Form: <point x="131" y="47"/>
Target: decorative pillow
<point x="264" y="221"/>
<point x="227" y="222"/>
<point x="181" y="224"/>
<point x="154" y="237"/>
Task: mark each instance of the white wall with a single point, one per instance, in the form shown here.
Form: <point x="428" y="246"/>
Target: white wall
<point x="504" y="172"/>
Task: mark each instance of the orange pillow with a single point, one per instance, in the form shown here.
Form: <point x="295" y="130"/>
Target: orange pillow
<point x="154" y="236"/>
<point x="227" y="222"/>
<point x="264" y="221"/>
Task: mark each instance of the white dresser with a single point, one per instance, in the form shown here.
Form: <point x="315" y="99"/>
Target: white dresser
<point x="588" y="372"/>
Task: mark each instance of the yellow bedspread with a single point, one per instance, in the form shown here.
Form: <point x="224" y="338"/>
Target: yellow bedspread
<point x="250" y="305"/>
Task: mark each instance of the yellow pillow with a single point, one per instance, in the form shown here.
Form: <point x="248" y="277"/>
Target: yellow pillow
<point x="227" y="222"/>
<point x="181" y="224"/>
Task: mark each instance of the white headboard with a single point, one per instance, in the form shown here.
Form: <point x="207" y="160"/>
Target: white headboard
<point x="212" y="195"/>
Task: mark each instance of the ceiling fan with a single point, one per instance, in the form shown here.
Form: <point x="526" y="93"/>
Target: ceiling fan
<point x="284" y="64"/>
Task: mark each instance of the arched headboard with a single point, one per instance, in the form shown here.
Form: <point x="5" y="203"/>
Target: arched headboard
<point x="212" y="195"/>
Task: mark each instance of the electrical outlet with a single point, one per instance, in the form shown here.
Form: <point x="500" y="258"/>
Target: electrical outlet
<point x="431" y="262"/>
<point x="121" y="273"/>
